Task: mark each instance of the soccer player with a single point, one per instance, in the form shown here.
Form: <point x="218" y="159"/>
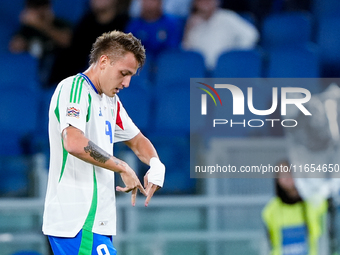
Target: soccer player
<point x="85" y="118"/>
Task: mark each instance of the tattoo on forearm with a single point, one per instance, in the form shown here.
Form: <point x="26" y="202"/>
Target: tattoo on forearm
<point x="96" y="152"/>
<point x="117" y="161"/>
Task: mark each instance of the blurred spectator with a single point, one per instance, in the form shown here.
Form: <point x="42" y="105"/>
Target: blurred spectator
<point x="103" y="16"/>
<point x="294" y="226"/>
<point x="157" y="30"/>
<point x="41" y="34"/>
<point x="211" y="31"/>
<point x="179" y="8"/>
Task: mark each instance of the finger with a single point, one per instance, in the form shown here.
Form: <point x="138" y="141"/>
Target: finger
<point x="146" y="182"/>
<point x="141" y="189"/>
<point x="126" y="189"/>
<point x="148" y="187"/>
<point x="150" y="194"/>
<point x="133" y="196"/>
<point x="152" y="190"/>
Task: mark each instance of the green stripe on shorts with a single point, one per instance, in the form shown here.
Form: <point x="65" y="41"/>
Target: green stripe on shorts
<point x="86" y="243"/>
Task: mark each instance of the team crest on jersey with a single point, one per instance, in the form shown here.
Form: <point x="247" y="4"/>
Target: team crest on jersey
<point x="73" y="112"/>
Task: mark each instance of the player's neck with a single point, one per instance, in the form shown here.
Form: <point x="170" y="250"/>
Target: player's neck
<point x="91" y="73"/>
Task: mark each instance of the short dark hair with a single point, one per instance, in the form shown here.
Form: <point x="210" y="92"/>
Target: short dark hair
<point x="116" y="44"/>
<point x="37" y="3"/>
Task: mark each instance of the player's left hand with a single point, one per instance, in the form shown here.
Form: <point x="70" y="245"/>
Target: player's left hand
<point x="150" y="189"/>
<point x="154" y="178"/>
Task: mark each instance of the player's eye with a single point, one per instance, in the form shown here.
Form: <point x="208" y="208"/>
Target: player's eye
<point x="124" y="74"/>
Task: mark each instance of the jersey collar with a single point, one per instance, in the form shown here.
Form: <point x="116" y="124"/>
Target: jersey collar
<point x="89" y="81"/>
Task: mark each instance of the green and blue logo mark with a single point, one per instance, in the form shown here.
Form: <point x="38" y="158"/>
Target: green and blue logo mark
<point x="204" y="97"/>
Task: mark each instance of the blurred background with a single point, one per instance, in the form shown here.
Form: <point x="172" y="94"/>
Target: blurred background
<point x="43" y="42"/>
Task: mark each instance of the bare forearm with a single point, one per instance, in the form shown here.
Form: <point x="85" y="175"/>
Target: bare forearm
<point x="79" y="146"/>
<point x="142" y="147"/>
<point x="102" y="158"/>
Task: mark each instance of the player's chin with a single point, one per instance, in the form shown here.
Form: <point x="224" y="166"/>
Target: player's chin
<point x="114" y="92"/>
<point x="110" y="93"/>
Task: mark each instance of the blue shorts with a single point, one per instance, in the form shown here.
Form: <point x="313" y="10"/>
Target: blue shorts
<point x="84" y="243"/>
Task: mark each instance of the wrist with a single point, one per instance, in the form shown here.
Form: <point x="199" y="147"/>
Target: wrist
<point x="120" y="166"/>
<point x="154" y="161"/>
<point x="156" y="172"/>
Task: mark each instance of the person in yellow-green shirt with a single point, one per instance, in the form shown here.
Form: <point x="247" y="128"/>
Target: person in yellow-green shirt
<point x="294" y="226"/>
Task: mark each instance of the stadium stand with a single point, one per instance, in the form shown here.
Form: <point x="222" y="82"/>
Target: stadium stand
<point x="328" y="39"/>
<point x="220" y="216"/>
<point x="241" y="64"/>
<point x="18" y="68"/>
<point x="176" y="67"/>
<point x="294" y="62"/>
<point x="71" y="11"/>
<point x="288" y="28"/>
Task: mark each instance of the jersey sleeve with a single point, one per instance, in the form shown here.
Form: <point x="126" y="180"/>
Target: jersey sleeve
<point x="125" y="129"/>
<point x="73" y="104"/>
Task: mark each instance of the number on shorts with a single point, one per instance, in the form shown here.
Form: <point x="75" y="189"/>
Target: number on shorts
<point x="102" y="248"/>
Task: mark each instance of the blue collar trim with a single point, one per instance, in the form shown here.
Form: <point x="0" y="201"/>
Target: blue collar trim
<point x="89" y="81"/>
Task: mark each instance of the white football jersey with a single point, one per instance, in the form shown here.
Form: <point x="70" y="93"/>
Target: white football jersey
<point x="81" y="195"/>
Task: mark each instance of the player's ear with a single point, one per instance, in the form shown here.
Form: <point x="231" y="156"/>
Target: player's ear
<point x="103" y="61"/>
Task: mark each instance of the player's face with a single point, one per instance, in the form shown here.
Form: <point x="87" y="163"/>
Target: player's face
<point x="117" y="75"/>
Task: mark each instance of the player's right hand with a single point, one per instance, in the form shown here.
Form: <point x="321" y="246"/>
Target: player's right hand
<point x="132" y="184"/>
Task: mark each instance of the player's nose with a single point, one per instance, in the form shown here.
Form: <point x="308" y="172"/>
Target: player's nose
<point x="126" y="81"/>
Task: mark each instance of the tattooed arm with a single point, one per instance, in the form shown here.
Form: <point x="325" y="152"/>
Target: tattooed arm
<point x="81" y="147"/>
